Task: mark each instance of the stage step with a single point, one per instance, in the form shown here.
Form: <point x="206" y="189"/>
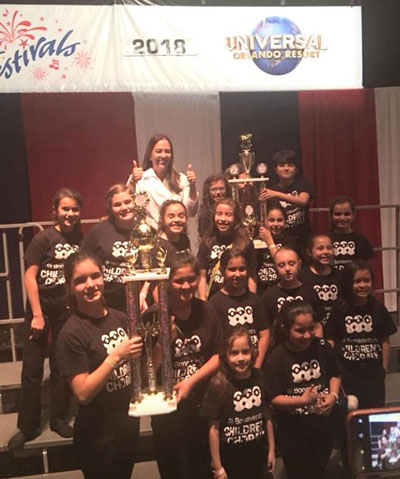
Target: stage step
<point x="48" y="438"/>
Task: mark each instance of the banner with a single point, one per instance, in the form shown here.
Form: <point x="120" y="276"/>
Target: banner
<point x="178" y="49"/>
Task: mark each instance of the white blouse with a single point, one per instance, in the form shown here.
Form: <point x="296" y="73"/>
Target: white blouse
<point x="158" y="191"/>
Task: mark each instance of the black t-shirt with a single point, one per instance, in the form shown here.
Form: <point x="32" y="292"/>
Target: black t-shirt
<point x="358" y="332"/>
<point x="110" y="244"/>
<point x="298" y="223"/>
<point x="241" y="411"/>
<point x="82" y="345"/>
<point x="327" y="287"/>
<point x="48" y="250"/>
<point x="274" y="298"/>
<point x="348" y="247"/>
<point x="246" y="310"/>
<point x="289" y="373"/>
<point x="182" y="245"/>
<point x="266" y="271"/>
<point x="209" y="257"/>
<point x="198" y="338"/>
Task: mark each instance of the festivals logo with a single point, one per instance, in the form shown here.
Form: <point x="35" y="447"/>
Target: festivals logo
<point x="276" y="46"/>
<point x="42" y="47"/>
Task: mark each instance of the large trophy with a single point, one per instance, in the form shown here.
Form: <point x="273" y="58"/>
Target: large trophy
<point x="254" y="212"/>
<point x="148" y="397"/>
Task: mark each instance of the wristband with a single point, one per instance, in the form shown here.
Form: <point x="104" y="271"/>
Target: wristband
<point x="273" y="245"/>
<point x="219" y="472"/>
<point x="111" y="363"/>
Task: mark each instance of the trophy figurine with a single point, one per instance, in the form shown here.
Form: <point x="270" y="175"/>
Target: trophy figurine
<point x="148" y="397"/>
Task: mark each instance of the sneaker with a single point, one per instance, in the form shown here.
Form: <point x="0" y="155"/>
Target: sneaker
<point x="62" y="428"/>
<point x="19" y="439"/>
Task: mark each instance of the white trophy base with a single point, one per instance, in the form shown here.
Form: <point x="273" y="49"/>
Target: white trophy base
<point x="259" y="244"/>
<point x="153" y="275"/>
<point x="153" y="405"/>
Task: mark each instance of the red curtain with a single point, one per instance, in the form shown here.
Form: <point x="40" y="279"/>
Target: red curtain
<point x="339" y="153"/>
<point x="86" y="141"/>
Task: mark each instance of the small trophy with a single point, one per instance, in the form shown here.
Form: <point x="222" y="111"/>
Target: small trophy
<point x="148" y="398"/>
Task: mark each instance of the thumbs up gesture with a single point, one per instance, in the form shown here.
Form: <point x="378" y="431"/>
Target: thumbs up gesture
<point x="191" y="175"/>
<point x="137" y="172"/>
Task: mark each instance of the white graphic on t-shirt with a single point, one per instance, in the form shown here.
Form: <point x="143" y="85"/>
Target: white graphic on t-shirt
<point x="185" y="346"/>
<point x="240" y="315"/>
<point x="120" y="248"/>
<point x="326" y="292"/>
<point x="217" y="250"/>
<point x="112" y="339"/>
<point x="306" y="371"/>
<point x="63" y="250"/>
<point x="358" y="324"/>
<point x="250" y="397"/>
<point x="344" y="248"/>
<point x="282" y="300"/>
<point x="284" y="204"/>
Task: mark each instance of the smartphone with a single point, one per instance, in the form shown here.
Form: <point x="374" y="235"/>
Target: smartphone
<point x="374" y="441"/>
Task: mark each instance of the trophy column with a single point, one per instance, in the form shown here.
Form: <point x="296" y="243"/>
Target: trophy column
<point x="148" y="399"/>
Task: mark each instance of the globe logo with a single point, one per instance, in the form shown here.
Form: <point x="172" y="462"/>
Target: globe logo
<point x="277" y="61"/>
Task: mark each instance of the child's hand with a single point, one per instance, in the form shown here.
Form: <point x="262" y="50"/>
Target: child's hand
<point x="271" y="461"/>
<point x="267" y="194"/>
<point x="183" y="389"/>
<point x="265" y="234"/>
<point x="310" y="396"/>
<point x="220" y="474"/>
<point x="326" y="403"/>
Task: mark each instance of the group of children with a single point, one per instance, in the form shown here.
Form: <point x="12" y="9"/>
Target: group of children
<point x="276" y="311"/>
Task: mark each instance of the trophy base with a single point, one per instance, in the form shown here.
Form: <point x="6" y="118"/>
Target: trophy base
<point x="155" y="274"/>
<point x="259" y="244"/>
<point x="153" y="405"/>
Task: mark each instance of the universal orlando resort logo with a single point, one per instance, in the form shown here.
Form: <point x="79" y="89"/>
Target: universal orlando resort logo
<point x="276" y="46"/>
<point x="44" y="51"/>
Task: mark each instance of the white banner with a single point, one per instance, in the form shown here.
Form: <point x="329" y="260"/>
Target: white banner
<point x="180" y="49"/>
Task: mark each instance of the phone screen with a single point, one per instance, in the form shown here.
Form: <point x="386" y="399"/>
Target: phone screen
<point x="384" y="441"/>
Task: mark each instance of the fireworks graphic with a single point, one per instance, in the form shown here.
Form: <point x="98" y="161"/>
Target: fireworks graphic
<point x="14" y="30"/>
<point x="82" y="59"/>
<point x="39" y="73"/>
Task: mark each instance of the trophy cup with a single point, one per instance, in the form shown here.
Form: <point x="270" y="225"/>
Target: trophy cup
<point x="248" y="199"/>
<point x="148" y="398"/>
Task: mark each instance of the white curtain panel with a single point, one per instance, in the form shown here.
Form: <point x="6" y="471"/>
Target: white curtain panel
<point x="387" y="104"/>
<point x="192" y="121"/>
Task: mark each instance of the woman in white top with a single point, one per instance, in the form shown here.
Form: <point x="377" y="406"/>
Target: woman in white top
<point x="160" y="180"/>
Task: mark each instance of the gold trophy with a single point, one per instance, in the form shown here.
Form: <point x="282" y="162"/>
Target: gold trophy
<point x="148" y="398"/>
<point x="248" y="197"/>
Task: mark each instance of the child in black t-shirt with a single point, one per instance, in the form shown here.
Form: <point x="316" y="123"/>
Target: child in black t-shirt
<point x="45" y="315"/>
<point x="215" y="188"/>
<point x="302" y="376"/>
<point x="241" y="434"/>
<point x="236" y="305"/>
<point x="172" y="238"/>
<point x="359" y="327"/>
<point x="292" y="193"/>
<point x="94" y="353"/>
<point x="227" y="232"/>
<point x="289" y="288"/>
<point x="320" y="275"/>
<point x="275" y="236"/>
<point x="348" y="245"/>
<point x="172" y="234"/>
